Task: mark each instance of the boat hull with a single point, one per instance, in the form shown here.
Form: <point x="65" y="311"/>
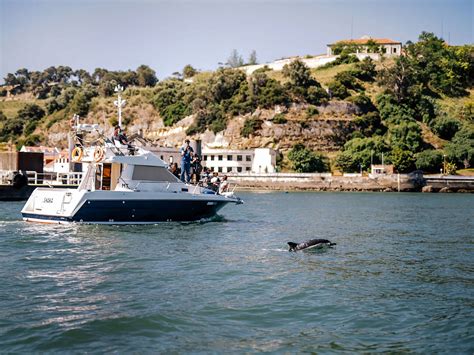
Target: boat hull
<point x="134" y="212"/>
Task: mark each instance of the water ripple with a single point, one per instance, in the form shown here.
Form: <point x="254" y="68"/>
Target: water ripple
<point x="400" y="280"/>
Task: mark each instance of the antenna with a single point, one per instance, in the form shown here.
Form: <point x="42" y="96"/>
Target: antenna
<point x="352" y="26"/>
<point x="119" y="103"/>
<point x="442" y="28"/>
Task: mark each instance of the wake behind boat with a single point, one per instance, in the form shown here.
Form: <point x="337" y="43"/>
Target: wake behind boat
<point x="123" y="187"/>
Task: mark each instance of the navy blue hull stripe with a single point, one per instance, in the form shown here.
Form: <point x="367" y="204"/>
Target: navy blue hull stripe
<point x="138" y="211"/>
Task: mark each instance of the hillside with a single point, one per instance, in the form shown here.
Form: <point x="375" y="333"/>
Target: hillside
<point x="346" y="113"/>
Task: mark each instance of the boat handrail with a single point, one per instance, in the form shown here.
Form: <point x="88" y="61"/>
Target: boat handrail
<point x="54" y="178"/>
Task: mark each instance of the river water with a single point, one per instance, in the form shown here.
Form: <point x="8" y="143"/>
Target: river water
<point x="401" y="279"/>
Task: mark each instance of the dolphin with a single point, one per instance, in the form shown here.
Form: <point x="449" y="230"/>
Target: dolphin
<point x="310" y="244"/>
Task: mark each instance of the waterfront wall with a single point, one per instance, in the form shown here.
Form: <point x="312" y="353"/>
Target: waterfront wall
<point x="328" y="182"/>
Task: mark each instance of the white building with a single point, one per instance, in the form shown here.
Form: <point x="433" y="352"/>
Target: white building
<point x="260" y="160"/>
<point x="168" y="155"/>
<point x="389" y="47"/>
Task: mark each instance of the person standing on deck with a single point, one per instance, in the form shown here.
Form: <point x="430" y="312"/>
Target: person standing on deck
<point x="186" y="156"/>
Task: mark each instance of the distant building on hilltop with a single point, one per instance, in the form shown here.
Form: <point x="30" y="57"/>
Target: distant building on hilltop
<point x="388" y="47"/>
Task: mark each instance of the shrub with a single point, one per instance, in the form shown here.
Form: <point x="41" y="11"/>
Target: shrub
<point x="446" y="127"/>
<point x="403" y="160"/>
<point x="342" y="59"/>
<point x="31" y="112"/>
<point x="266" y="92"/>
<point x="369" y="124"/>
<point x="250" y="126"/>
<point x="348" y="80"/>
<point x="32" y="140"/>
<point x="263" y="69"/>
<point x="80" y="104"/>
<point x="30" y="127"/>
<point x="429" y="161"/>
<point x="363" y="102"/>
<point x="346" y="162"/>
<point x="336" y="89"/>
<point x="299" y="74"/>
<point x="11" y="127"/>
<point x="365" y="70"/>
<point x="174" y="112"/>
<point x="304" y="160"/>
<point x="311" y="111"/>
<point x="361" y="152"/>
<point x="461" y="149"/>
<point x="279" y="118"/>
<point x="212" y="117"/>
<point x="406" y="136"/>
<point x="316" y="95"/>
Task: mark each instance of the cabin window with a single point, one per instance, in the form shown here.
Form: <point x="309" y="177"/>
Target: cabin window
<point x="152" y="173"/>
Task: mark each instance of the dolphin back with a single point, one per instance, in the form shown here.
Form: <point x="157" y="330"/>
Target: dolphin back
<point x="310" y="243"/>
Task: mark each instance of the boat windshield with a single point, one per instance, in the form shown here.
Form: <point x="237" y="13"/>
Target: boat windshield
<point x="152" y="173"/>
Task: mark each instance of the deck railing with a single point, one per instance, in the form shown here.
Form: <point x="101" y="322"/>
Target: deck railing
<point x="72" y="178"/>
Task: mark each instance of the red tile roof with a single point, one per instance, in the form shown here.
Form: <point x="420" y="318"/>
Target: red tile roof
<point x="364" y="40"/>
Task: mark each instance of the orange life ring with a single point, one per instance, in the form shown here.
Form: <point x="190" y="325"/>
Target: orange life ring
<point x="76" y="154"/>
<point x="99" y="154"/>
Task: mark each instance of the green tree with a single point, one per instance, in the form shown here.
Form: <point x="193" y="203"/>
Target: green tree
<point x="251" y="125"/>
<point x="80" y="104"/>
<point x="359" y="153"/>
<point x="235" y="60"/>
<point x="373" y="47"/>
<point x="253" y="57"/>
<point x="266" y="92"/>
<point x="146" y="76"/>
<point x="446" y="127"/>
<point x="31" y="112"/>
<point x="304" y="160"/>
<point x="430" y="161"/>
<point x="403" y="160"/>
<point x="299" y="74"/>
<point x="338" y="90"/>
<point x="461" y="149"/>
<point x="363" y="102"/>
<point x="348" y="80"/>
<point x="365" y="70"/>
<point x="189" y="71"/>
<point x="346" y="162"/>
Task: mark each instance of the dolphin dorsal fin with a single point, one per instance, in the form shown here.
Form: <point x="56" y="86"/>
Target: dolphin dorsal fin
<point x="292" y="245"/>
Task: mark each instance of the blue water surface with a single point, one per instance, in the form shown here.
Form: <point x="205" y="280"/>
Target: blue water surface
<point x="401" y="279"/>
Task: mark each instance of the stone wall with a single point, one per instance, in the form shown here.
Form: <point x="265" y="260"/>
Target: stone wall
<point x="326" y="182"/>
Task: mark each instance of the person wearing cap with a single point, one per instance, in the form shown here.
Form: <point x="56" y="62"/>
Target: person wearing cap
<point x="186" y="156"/>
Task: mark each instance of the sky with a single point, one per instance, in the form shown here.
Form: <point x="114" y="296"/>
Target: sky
<point x="167" y="35"/>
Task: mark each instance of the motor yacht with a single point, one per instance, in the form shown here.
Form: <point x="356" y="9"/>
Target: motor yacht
<point x="123" y="186"/>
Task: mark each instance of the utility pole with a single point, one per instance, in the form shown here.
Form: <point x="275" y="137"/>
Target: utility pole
<point x="119" y="103"/>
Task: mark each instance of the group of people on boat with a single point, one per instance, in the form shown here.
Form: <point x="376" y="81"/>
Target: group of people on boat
<point x="191" y="171"/>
